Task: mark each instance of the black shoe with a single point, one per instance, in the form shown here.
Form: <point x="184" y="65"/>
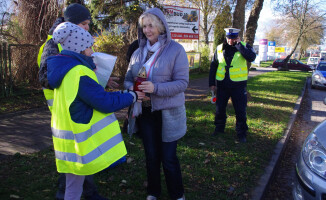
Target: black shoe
<point x="215" y="133"/>
<point x="59" y="195"/>
<point x="95" y="196"/>
<point x="242" y="139"/>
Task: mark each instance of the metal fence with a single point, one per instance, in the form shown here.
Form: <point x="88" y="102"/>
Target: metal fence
<point x="17" y="65"/>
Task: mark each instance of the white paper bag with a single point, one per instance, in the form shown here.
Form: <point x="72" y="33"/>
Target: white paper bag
<point x="104" y="66"/>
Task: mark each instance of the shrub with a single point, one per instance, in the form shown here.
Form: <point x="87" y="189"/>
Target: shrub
<point x="204" y="60"/>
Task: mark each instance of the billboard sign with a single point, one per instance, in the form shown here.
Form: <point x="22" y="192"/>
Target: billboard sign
<point x="263" y="49"/>
<point x="183" y="22"/>
<point x="263" y="42"/>
<point x="279" y="49"/>
<point x="271" y="49"/>
<point x="194" y="60"/>
<point x="271" y="43"/>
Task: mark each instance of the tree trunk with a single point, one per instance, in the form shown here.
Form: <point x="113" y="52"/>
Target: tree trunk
<point x="295" y="47"/>
<point x="239" y="16"/>
<point x="302" y="52"/>
<point x="205" y="29"/>
<point x="252" y="23"/>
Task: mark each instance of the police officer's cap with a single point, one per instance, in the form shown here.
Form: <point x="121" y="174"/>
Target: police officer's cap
<point x="232" y="33"/>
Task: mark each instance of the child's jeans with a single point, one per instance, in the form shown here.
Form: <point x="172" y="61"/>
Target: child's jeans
<point x="74" y="186"/>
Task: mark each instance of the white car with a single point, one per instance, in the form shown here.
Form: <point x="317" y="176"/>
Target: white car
<point x="311" y="167"/>
<point x="313" y="61"/>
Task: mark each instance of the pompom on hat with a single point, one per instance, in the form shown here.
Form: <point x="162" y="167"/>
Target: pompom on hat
<point x="76" y="13"/>
<point x="72" y="37"/>
<point x="232" y="33"/>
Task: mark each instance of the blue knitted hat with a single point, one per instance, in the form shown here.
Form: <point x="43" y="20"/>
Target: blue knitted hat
<point x="76" y="13"/>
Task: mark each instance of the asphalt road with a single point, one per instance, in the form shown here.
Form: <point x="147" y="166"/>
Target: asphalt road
<point x="311" y="113"/>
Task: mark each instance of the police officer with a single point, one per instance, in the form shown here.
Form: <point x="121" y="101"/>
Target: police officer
<point x="228" y="76"/>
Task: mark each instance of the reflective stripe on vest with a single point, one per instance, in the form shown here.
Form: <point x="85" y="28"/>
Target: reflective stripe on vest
<point x="106" y="146"/>
<point x="48" y="93"/>
<point x="238" y="71"/>
<point x="83" y="136"/>
<point x="83" y="149"/>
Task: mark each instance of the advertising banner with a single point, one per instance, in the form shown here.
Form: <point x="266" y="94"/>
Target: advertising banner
<point x="263" y="42"/>
<point x="271" y="49"/>
<point x="271" y="43"/>
<point x="263" y="49"/>
<point x="183" y="22"/>
<point x="279" y="49"/>
<point x="194" y="60"/>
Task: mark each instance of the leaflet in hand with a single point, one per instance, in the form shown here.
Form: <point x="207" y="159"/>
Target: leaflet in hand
<point x="104" y="66"/>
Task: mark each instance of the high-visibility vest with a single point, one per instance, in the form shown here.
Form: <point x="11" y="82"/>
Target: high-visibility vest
<point x="48" y="93"/>
<point x="83" y="149"/>
<point x="239" y="69"/>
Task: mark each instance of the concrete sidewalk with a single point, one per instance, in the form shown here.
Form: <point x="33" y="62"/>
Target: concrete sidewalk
<point x="30" y="131"/>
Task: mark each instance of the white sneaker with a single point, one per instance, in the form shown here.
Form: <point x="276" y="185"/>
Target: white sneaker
<point x="150" y="197"/>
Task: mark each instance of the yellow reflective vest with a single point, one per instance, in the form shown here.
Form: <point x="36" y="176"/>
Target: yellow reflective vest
<point x="83" y="149"/>
<point x="239" y="69"/>
<point x="48" y="93"/>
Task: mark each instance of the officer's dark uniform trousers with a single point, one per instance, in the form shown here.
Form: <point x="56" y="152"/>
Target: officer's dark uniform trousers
<point x="238" y="96"/>
<point x="227" y="89"/>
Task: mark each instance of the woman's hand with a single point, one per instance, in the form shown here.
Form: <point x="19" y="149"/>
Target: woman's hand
<point x="147" y="87"/>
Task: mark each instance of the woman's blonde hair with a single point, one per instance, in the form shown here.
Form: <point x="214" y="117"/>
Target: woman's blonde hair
<point x="156" y="22"/>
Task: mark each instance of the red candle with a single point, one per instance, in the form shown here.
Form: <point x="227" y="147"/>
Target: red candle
<point x="140" y="78"/>
<point x="138" y="81"/>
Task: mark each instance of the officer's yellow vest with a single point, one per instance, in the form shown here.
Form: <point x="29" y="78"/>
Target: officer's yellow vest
<point x="239" y="69"/>
<point x="83" y="149"/>
<point x="48" y="93"/>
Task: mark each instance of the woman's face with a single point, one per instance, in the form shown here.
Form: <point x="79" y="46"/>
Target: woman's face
<point x="84" y="24"/>
<point x="150" y="31"/>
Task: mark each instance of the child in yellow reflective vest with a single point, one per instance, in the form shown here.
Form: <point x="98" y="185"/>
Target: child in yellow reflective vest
<point x="86" y="134"/>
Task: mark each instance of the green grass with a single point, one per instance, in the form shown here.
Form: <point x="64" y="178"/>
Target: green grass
<point x="197" y="75"/>
<point x="212" y="167"/>
<point x="22" y="102"/>
<point x="263" y="64"/>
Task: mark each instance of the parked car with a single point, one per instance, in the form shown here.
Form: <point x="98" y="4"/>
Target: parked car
<point x="311" y="167"/>
<point x="313" y="61"/>
<point x="293" y="64"/>
<point x="318" y="76"/>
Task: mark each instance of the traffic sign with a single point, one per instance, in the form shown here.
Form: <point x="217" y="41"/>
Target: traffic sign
<point x="183" y="22"/>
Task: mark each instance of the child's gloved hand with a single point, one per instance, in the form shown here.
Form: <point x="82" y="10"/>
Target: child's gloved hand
<point x="112" y="84"/>
<point x="140" y="95"/>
